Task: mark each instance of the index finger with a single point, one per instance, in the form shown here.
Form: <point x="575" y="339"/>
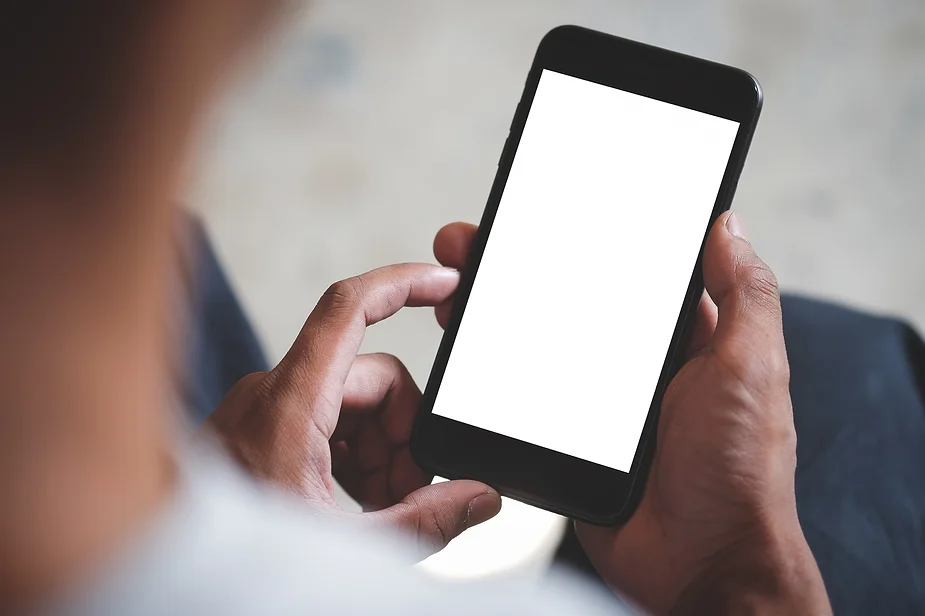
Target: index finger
<point x="326" y="347"/>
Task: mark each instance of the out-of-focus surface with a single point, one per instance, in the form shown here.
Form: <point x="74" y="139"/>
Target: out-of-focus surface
<point x="372" y="123"/>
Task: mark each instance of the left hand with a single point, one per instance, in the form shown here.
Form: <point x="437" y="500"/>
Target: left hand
<point x="325" y="413"/>
<point x="717" y="529"/>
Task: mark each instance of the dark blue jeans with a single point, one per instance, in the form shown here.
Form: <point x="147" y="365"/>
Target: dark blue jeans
<point x="857" y="386"/>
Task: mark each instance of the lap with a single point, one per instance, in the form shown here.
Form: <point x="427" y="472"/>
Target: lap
<point x="856" y="384"/>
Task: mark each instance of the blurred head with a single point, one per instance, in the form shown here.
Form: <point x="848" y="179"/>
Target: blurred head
<point x="83" y="79"/>
<point x="101" y="100"/>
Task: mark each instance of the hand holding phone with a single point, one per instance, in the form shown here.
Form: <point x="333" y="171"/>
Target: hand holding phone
<point x="718" y="519"/>
<point x="717" y="523"/>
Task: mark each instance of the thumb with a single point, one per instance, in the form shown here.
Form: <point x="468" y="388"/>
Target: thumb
<point x="749" y="329"/>
<point x="438" y="513"/>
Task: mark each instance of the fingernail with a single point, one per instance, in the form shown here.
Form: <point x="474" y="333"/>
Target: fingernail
<point x="735" y="226"/>
<point x="483" y="508"/>
<point x="449" y="272"/>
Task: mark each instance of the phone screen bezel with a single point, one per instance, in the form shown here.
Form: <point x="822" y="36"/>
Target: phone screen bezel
<point x="554" y="481"/>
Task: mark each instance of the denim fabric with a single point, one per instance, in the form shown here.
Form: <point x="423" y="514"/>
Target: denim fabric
<point x="222" y="344"/>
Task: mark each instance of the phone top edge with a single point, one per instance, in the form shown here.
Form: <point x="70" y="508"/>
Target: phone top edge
<point x="588" y="52"/>
<point x="567" y="29"/>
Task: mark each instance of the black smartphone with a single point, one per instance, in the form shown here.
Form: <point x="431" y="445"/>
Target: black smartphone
<point x="573" y="311"/>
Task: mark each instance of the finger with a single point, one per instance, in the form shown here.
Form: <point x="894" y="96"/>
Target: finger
<point x="314" y="370"/>
<point x="373" y="473"/>
<point x="451" y="248"/>
<point x="436" y="514"/>
<point x="452" y="244"/>
<point x="749" y="331"/>
<point x="443" y="312"/>
<point x="704" y="326"/>
<point x="382" y="399"/>
<point x="380" y="384"/>
<point x="382" y="486"/>
<point x="350" y="479"/>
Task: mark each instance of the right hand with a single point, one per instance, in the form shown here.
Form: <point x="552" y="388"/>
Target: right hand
<point x="718" y="522"/>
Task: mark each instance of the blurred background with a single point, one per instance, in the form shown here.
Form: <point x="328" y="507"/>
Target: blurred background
<point x="368" y="124"/>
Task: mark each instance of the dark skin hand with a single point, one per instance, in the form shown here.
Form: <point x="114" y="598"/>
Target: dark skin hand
<point x="325" y="414"/>
<point x="717" y="529"/>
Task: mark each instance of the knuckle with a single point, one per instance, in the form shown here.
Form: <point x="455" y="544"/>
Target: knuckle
<point x="757" y="372"/>
<point x="439" y="531"/>
<point x="251" y="382"/>
<point x="247" y="393"/>
<point x="761" y="283"/>
<point x="390" y="361"/>
<point x="251" y="387"/>
<point x="765" y="366"/>
<point x="770" y="372"/>
<point x="787" y="433"/>
<point x="347" y="292"/>
<point x="396" y="368"/>
<point x="781" y="369"/>
<point x="257" y="385"/>
<point x="344" y="299"/>
<point x="433" y="531"/>
<point x="388" y="372"/>
<point x="779" y="430"/>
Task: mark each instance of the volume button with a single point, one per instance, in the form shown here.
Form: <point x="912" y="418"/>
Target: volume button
<point x="507" y="142"/>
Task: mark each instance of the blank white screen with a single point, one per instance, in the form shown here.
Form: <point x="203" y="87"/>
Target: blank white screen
<point x="585" y="271"/>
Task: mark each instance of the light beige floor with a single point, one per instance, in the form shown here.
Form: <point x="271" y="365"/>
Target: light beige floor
<point x="374" y="122"/>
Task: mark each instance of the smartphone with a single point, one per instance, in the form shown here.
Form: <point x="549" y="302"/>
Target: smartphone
<point x="573" y="311"/>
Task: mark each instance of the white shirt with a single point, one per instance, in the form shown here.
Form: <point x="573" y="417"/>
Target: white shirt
<point x="228" y="546"/>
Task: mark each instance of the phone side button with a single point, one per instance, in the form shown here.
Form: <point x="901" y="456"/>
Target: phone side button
<point x="516" y="113"/>
<point x="507" y="143"/>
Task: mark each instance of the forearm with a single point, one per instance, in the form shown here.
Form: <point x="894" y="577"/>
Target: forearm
<point x="776" y="575"/>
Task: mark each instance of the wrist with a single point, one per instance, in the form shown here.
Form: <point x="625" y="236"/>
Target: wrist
<point x="772" y="571"/>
